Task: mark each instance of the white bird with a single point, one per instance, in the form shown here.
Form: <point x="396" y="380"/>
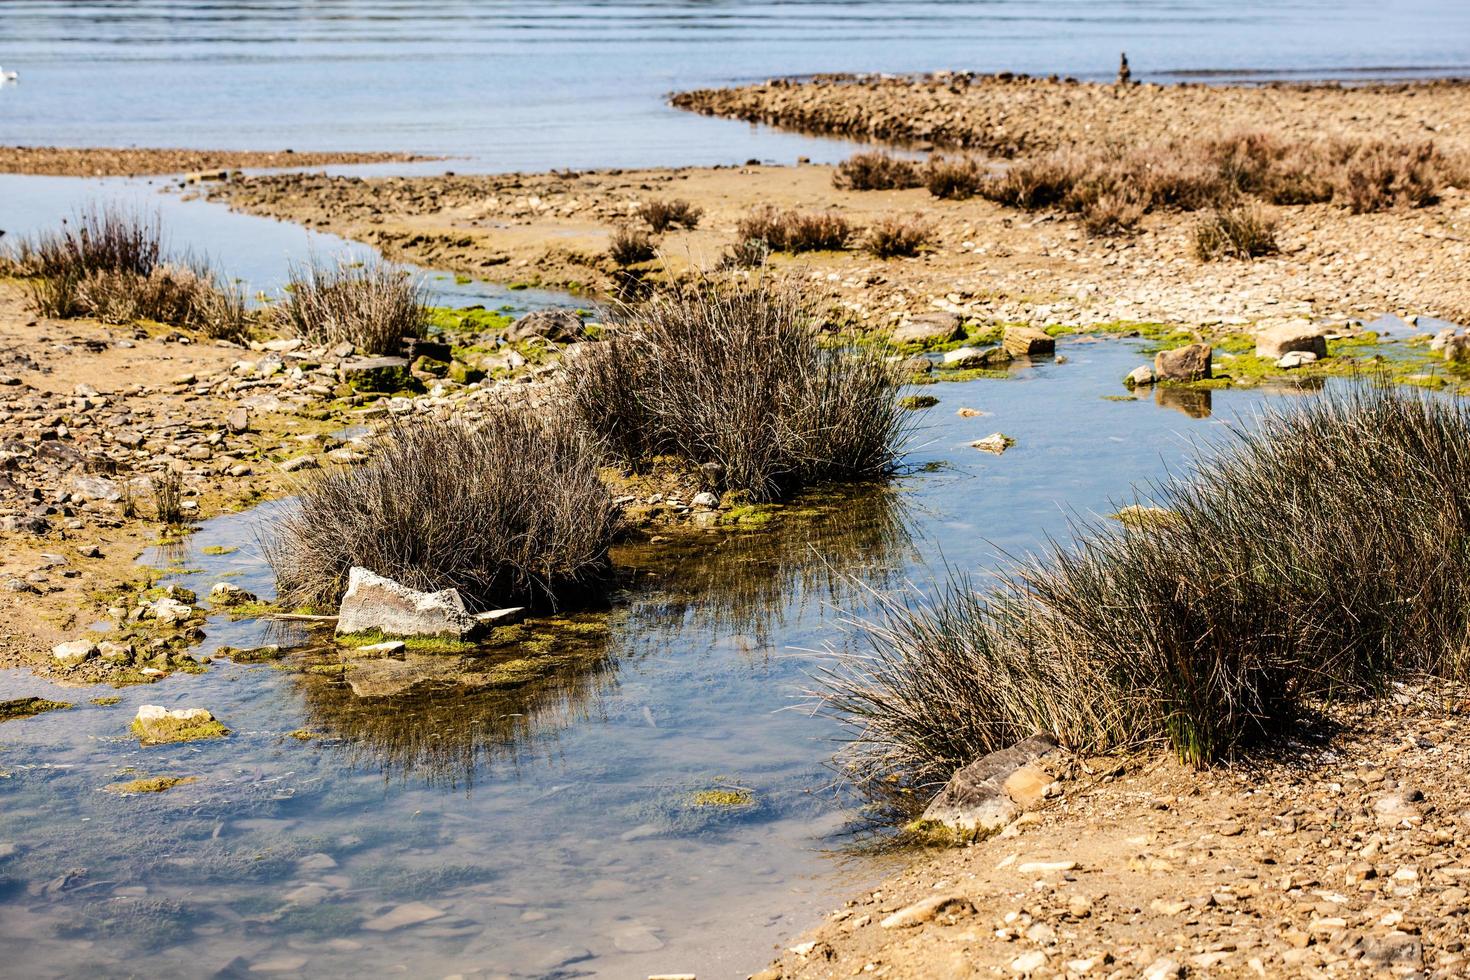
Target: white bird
<point x="8" y="76"/>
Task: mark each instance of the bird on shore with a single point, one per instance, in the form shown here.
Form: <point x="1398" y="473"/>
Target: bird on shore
<point x="8" y="76"/>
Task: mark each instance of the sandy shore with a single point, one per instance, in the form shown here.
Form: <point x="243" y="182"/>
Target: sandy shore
<point x="60" y="161"/>
<point x="1007" y="116"/>
<point x="988" y="262"/>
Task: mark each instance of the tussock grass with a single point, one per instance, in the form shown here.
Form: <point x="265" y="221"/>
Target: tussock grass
<point x="630" y="246"/>
<point x="111" y="263"/>
<point x="1111" y="187"/>
<point x="371" y="305"/>
<point x="894" y="235"/>
<point x="1319" y="553"/>
<point x="509" y="511"/>
<point x="875" y="171"/>
<point x="737" y="376"/>
<point x="954" y="178"/>
<point x="1243" y="231"/>
<point x="663" y="214"/>
<point x="794" y="231"/>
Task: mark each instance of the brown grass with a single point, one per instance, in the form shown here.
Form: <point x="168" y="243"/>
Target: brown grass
<point x="661" y="214"/>
<point x="372" y="305"/>
<point x="895" y="235"/>
<point x="795" y="231"/>
<point x="875" y="171"/>
<point x="954" y="178"/>
<point x="1242" y="231"/>
<point x="630" y="246"/>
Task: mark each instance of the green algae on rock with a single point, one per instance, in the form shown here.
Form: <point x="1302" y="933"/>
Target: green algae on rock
<point x="157" y="725"/>
<point x="724" y="797"/>
<point x="149" y="784"/>
<point x="28" y="707"/>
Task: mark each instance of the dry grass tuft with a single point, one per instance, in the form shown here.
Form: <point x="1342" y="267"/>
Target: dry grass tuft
<point x="1243" y="231"/>
<point x="661" y="215"/>
<point x="954" y="178"/>
<point x="510" y="511"/>
<point x="372" y="305"/>
<point x="875" y="171"/>
<point x="1317" y="555"/>
<point x="894" y="235"/>
<point x="739" y="377"/>
<point x="630" y="246"/>
<point x="795" y="231"/>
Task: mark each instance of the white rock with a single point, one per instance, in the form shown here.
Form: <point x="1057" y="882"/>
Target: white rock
<point x="1140" y="377"/>
<point x="374" y="602"/>
<point x="706" y="500"/>
<point x="1296" y="359"/>
<point x="73" y="653"/>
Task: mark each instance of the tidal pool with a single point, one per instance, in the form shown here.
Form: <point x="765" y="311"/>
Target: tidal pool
<point x="554" y="828"/>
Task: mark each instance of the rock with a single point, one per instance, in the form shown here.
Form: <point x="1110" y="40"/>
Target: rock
<point x="229" y="594"/>
<point x="706" y="500"/>
<point x="410" y="914"/>
<point x="376" y="603"/>
<point x="1028" y="342"/>
<point x="1191" y="363"/>
<point x="1163" y="968"/>
<point x="559" y="326"/>
<point x="114" y="652"/>
<point x="502" y="617"/>
<point x="1140" y="377"/>
<point x="96" y="488"/>
<point x="73" y="653"/>
<point x="1457" y="349"/>
<point x="993" y="790"/>
<point x="171" y="612"/>
<point x="929" y="328"/>
<point x="238" y="420"/>
<point x="157" y="725"/>
<point x="1442" y="338"/>
<point x="973" y="357"/>
<point x="1399" y="808"/>
<point x="916" y="365"/>
<point x="1296" y="359"/>
<point x="378" y="374"/>
<point x="1274" y="342"/>
<point x="1046" y="867"/>
<point x="1397" y="949"/>
<point x="927" y="910"/>
<point x="996" y="442"/>
<point x="299" y="463"/>
<point x="1029" y="962"/>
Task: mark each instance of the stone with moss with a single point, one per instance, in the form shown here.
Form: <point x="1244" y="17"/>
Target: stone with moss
<point x="913" y="402"/>
<point x="150" y="784"/>
<point x="157" y="725"/>
<point x="724" y="797"/>
<point x="28" y="707"/>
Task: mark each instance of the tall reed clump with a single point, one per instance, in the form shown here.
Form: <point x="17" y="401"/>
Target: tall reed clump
<point x="739" y="376"/>
<point x="794" y="231"/>
<point x="371" y="305"/>
<point x="110" y="263"/>
<point x="875" y="171"/>
<point x="509" y="511"/>
<point x="1318" y="554"/>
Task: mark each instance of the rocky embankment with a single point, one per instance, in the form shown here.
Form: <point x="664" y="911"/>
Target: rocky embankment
<point x="66" y="161"/>
<point x="1327" y="857"/>
<point x="1010" y="115"/>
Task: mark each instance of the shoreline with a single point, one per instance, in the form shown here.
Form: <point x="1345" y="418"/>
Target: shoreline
<point x="61" y="161"/>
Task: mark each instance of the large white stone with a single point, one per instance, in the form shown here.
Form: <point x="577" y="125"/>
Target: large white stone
<point x="376" y="603"/>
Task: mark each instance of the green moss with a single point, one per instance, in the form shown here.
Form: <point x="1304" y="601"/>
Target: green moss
<point x="750" y="515"/>
<point x="913" y="402"/>
<point x="128" y="678"/>
<point x="327" y="670"/>
<point x="217" y="549"/>
<point x="724" y="798"/>
<point x="467" y="319"/>
<point x="28" y="707"/>
<point x="150" y="784"/>
<point x="304" y="734"/>
<point x="932" y="833"/>
<point x="257" y="655"/>
<point x="106" y="700"/>
<point x="411" y="644"/>
<point x="170" y="731"/>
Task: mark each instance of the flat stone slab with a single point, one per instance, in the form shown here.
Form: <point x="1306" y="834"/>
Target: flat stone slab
<point x="374" y="603"/>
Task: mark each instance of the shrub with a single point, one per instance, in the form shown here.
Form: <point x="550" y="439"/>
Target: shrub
<point x="954" y="178"/>
<point x="371" y="305"/>
<point x="1380" y="176"/>
<point x="737" y="376"/>
<point x="168" y="498"/>
<point x="509" y="511"/>
<point x="1243" y="231"/>
<point x="630" y="246"/>
<point x="895" y="234"/>
<point x="662" y="215"/>
<point x="1305" y="560"/>
<point x="795" y="231"/>
<point x="875" y="171"/>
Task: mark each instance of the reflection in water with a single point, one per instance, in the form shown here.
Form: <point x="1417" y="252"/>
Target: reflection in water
<point x="1194" y="402"/>
<point x="826" y="545"/>
<point x="442" y="717"/>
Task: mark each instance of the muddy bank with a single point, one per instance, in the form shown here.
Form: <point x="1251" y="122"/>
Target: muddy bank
<point x="1343" y="853"/>
<point x="985" y="262"/>
<point x="1007" y="115"/>
<point x="61" y="161"/>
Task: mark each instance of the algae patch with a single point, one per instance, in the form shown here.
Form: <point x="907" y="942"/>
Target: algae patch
<point x="28" y="707"/>
<point x="150" y="784"/>
<point x="724" y="798"/>
<point x="159" y="726"/>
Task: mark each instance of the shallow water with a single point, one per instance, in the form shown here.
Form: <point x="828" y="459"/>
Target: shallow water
<point x="552" y="825"/>
<point x="577" y="84"/>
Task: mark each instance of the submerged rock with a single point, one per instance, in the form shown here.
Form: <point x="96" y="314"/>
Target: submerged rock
<point x="996" y="442"/>
<point x="993" y="790"/>
<point x="374" y="603"/>
<point x="229" y="594"/>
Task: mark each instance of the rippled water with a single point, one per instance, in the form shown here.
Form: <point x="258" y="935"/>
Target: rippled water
<point x="580" y="84"/>
<point x="551" y="825"/>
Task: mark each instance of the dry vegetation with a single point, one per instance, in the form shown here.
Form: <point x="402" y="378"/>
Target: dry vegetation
<point x="662" y="214"/>
<point x="1244" y="231"/>
<point x="897" y="235"/>
<point x="371" y="305"/>
<point x="736" y="380"/>
<point x="511" y="511"/>
<point x="795" y="231"/>
<point x="1308" y="563"/>
<point x="630" y="246"/>
<point x="875" y="171"/>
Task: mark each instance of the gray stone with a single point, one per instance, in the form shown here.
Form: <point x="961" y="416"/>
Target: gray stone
<point x="559" y="326"/>
<point x="1191" y="363"/>
<point x="374" y="602"/>
<point x="410" y="914"/>
<point x="1140" y="377"/>
<point x="929" y="328"/>
<point x="114" y="652"/>
<point x="1273" y="342"/>
<point x="73" y="653"/>
<point x="1295" y="359"/>
<point x="974" y="357"/>
<point x="229" y="594"/>
<point x="706" y="500"/>
<point x="1457" y="348"/>
<point x="993" y="790"/>
<point x="238" y="420"/>
<point x="96" y="488"/>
